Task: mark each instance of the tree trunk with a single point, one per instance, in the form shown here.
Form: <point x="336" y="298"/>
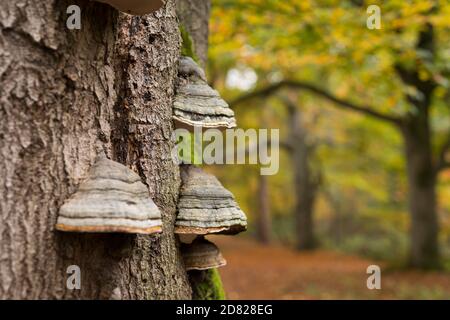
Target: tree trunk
<point x="264" y="222"/>
<point x="304" y="207"/>
<point x="304" y="181"/>
<point x="194" y="16"/>
<point x="337" y="222"/>
<point x="424" y="251"/>
<point x="415" y="128"/>
<point x="65" y="96"/>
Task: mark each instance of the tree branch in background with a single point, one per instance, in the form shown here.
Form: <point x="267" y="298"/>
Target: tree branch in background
<point x="294" y="84"/>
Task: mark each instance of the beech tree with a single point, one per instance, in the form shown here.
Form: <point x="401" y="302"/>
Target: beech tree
<point x="67" y="95"/>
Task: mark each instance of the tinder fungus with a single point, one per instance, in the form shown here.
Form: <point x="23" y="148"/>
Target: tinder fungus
<point x="135" y="7"/>
<point x="111" y="199"/>
<point x="196" y="103"/>
<point x="205" y="206"/>
<point x="201" y="255"/>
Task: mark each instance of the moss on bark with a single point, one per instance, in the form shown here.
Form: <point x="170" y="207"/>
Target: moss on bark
<point x="187" y="48"/>
<point x="206" y="285"/>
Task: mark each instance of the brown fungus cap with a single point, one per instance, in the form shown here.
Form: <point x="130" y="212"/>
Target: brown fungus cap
<point x="196" y="103"/>
<point x="111" y="199"/>
<point x="202" y="255"/>
<point x="205" y="206"/>
<point x="135" y="7"/>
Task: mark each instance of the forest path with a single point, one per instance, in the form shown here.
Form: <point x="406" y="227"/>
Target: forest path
<point x="255" y="271"/>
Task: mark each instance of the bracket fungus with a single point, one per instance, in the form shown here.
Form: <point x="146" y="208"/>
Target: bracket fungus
<point x="135" y="7"/>
<point x="202" y="255"/>
<point x="196" y="103"/>
<point x="111" y="199"/>
<point x="206" y="207"/>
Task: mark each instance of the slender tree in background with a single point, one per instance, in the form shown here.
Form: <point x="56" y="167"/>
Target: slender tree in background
<point x="263" y="216"/>
<point x="306" y="179"/>
<point x="65" y="96"/>
<point x="264" y="224"/>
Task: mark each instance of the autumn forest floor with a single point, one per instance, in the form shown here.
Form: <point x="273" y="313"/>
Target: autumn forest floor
<point x="255" y="271"/>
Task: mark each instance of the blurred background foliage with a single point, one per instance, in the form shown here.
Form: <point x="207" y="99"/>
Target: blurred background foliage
<point x="361" y="205"/>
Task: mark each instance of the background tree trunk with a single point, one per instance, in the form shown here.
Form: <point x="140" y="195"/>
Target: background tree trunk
<point x="264" y="222"/>
<point x="424" y="251"/>
<point x="66" y="95"/>
<point x="421" y="169"/>
<point x="305" y="182"/>
<point x="194" y="16"/>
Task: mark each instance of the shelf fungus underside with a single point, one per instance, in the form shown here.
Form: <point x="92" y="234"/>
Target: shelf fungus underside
<point x="205" y="206"/>
<point x="112" y="199"/>
<point x="202" y="255"/>
<point x="135" y="7"/>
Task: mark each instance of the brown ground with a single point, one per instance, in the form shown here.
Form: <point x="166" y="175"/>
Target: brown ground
<point x="255" y="271"/>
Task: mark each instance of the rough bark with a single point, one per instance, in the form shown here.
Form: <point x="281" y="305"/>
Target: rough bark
<point x="264" y="221"/>
<point x="64" y="96"/>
